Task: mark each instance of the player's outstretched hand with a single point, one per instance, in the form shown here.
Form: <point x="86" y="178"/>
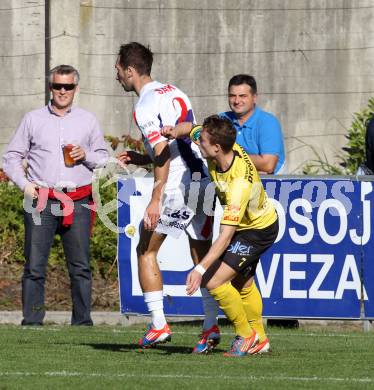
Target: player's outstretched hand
<point x="131" y="157"/>
<point x="124" y="157"/>
<point x="169" y="132"/>
<point x="193" y="282"/>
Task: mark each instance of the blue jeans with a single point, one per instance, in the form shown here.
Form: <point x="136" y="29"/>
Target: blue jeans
<point x="38" y="241"/>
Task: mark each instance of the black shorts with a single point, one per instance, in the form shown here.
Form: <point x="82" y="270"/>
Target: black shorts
<point x="247" y="246"/>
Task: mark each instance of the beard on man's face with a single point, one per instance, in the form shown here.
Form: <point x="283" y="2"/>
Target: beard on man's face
<point x="127" y="88"/>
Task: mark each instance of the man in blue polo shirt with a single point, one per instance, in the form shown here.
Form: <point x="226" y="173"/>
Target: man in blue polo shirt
<point x="258" y="131"/>
<point x="260" y="134"/>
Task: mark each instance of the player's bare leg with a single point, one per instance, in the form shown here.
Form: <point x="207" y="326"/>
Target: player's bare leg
<point x="150" y="277"/>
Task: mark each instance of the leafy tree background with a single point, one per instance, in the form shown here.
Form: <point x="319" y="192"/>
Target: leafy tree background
<point x="352" y="155"/>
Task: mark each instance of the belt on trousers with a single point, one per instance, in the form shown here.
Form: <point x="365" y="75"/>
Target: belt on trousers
<point x="66" y="197"/>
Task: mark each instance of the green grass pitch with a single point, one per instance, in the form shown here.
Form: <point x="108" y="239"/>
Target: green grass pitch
<point x="58" y="357"/>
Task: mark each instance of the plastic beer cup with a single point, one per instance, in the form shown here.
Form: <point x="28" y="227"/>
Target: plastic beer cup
<point x="67" y="148"/>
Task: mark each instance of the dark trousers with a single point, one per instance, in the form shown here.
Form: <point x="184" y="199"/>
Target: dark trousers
<point x="39" y="236"/>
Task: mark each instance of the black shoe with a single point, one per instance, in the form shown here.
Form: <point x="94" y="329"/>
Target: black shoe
<point x="25" y="323"/>
<point x="83" y="323"/>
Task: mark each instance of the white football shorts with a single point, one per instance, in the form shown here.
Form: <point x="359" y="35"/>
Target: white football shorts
<point x="187" y="206"/>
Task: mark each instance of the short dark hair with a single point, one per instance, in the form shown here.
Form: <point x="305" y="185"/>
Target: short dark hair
<point x="240" y="79"/>
<point x="64" y="69"/>
<point x="221" y="131"/>
<point x="136" y="55"/>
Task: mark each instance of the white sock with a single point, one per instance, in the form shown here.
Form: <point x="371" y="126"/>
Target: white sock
<point x="210" y="309"/>
<point x="155" y="305"/>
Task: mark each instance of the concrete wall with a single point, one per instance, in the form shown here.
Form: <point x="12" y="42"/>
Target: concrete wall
<point x="313" y="60"/>
<point x="21" y="62"/>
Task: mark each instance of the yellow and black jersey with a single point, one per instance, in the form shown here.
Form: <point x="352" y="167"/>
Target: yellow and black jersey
<point x="242" y="194"/>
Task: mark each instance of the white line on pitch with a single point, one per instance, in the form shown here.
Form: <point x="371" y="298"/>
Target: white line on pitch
<point x="183" y="376"/>
<point x="269" y="334"/>
<point x="124" y="330"/>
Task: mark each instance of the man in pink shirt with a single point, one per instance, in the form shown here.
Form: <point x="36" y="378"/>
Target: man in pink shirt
<point x="56" y="192"/>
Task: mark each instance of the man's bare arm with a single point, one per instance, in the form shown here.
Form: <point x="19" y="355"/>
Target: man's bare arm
<point x="194" y="278"/>
<point x="161" y="173"/>
<point x="264" y="163"/>
<point x="182" y="129"/>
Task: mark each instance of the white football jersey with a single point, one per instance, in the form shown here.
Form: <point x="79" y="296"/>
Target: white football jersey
<point x="165" y="105"/>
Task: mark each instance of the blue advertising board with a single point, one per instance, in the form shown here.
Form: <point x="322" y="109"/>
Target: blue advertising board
<point x="367" y="199"/>
<point x="313" y="270"/>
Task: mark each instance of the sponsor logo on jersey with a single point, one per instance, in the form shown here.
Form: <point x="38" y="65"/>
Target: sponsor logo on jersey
<point x="240" y="249"/>
<point x="153" y="136"/>
<point x="165" y="89"/>
<point x="233" y="218"/>
<point x="232" y="208"/>
<point x="249" y="171"/>
<point x="146" y="125"/>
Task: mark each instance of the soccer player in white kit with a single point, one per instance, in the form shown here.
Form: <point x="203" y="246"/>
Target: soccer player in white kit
<point x="177" y="166"/>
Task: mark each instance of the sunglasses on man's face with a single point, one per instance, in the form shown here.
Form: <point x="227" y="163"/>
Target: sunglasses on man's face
<point x="67" y="87"/>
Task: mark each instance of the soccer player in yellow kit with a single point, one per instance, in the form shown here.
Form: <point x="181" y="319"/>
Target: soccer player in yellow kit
<point x="249" y="226"/>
